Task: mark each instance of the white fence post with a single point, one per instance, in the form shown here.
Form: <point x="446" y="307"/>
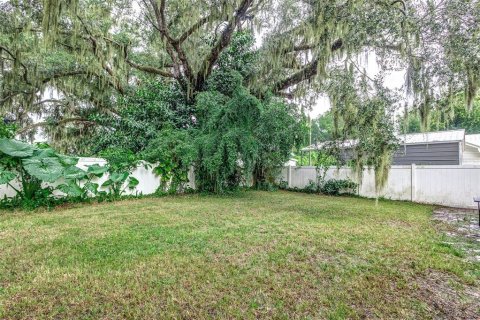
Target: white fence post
<point x="413" y="181"/>
<point x="289" y="176"/>
<point x="191" y="177"/>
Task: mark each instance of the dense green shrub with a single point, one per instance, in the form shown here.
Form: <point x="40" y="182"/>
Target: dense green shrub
<point x="172" y="154"/>
<point x="332" y="187"/>
<point x="336" y="187"/>
<point x="242" y="140"/>
<point x="225" y="141"/>
<point x="142" y="114"/>
<point x="279" y="130"/>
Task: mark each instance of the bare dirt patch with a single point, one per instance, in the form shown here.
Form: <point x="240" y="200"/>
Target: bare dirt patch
<point x="447" y="299"/>
<point x="445" y="296"/>
<point x="462" y="229"/>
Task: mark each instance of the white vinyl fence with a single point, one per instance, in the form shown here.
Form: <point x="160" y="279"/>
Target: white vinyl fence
<point x="453" y="186"/>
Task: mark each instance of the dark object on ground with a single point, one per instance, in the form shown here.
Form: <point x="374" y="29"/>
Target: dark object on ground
<point x="477" y="200"/>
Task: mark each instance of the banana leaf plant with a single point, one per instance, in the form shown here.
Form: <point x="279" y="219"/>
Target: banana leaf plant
<point x="31" y="165"/>
<point x="80" y="184"/>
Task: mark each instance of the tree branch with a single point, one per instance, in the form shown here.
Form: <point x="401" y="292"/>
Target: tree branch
<point x="63" y="74"/>
<point x="10" y="96"/>
<point x="310" y="70"/>
<point x="48" y="101"/>
<point x="47" y="123"/>
<point x="14" y="58"/>
<point x="404" y="6"/>
<point x="301" y="47"/>
<point x="193" y="29"/>
<point x="173" y="46"/>
<point x="221" y="44"/>
<point x="149" y="69"/>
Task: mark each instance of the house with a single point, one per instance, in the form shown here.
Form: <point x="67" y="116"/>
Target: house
<point x="431" y="148"/>
<point x="451" y="147"/>
<point x="471" y="154"/>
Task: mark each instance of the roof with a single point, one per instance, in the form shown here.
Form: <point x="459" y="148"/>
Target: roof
<point x="411" y="138"/>
<point x="473" y="139"/>
<point x="430" y="137"/>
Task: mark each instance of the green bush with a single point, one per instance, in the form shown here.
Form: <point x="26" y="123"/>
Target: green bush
<point x="332" y="187"/>
<point x="336" y="187"/>
<point x="173" y="154"/>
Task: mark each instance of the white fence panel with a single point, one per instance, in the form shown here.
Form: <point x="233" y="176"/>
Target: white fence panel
<point x="8" y="191"/>
<point x="397" y="187"/>
<point x="447" y="185"/>
<point x="443" y="185"/>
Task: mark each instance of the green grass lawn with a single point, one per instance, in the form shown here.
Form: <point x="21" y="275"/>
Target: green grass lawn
<point x="253" y="255"/>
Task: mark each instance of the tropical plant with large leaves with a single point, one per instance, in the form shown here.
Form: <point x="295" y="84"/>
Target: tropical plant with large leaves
<point x="24" y="167"/>
<point x="32" y="171"/>
<point x="118" y="182"/>
<point x="79" y="183"/>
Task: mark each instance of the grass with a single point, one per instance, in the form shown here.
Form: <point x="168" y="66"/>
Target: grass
<point x="253" y="255"/>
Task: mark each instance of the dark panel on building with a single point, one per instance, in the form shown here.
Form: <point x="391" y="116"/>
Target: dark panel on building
<point x="447" y="153"/>
<point x="428" y="154"/>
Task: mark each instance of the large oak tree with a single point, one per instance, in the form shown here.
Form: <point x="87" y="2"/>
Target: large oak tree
<point x="91" y="52"/>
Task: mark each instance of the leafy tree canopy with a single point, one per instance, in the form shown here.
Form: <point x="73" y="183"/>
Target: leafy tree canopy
<point x="91" y="53"/>
<point x="323" y="127"/>
<point x="447" y="114"/>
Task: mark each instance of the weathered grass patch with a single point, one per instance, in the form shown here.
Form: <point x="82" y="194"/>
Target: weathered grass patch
<point x="259" y="255"/>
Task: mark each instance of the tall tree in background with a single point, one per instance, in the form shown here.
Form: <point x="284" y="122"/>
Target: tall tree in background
<point x="323" y="128"/>
<point x="444" y="56"/>
<point x="457" y="117"/>
<point x="90" y="52"/>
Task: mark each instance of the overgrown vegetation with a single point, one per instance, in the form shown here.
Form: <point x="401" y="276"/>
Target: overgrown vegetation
<point x="34" y="173"/>
<point x="446" y="114"/>
<point x="117" y="69"/>
<point x="332" y="187"/>
<point x="231" y="137"/>
<point x="241" y="139"/>
<point x="24" y="168"/>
